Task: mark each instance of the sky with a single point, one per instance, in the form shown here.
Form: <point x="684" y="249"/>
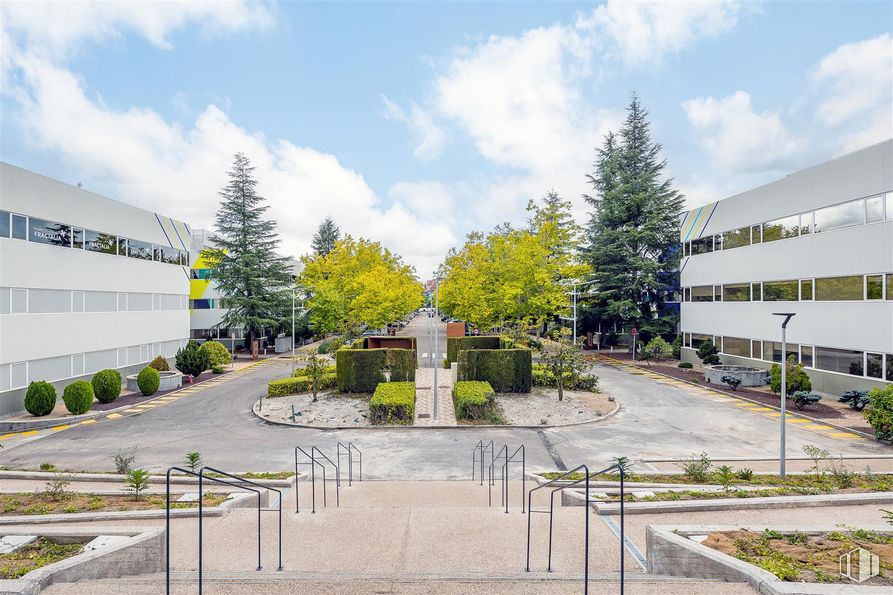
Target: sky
<point x="414" y="123"/>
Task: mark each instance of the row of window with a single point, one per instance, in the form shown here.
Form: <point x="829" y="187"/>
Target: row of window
<point x="22" y="227"/>
<point x="16" y="300"/>
<point x="200" y="273"/>
<point x="821" y="289"/>
<point x="207" y="304"/>
<point x="829" y="359"/>
<point x="51" y="369"/>
<point x="855" y="212"/>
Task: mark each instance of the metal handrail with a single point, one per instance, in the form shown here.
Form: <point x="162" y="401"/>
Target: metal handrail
<point x="337" y="468"/>
<point x="505" y="473"/>
<point x="313" y="463"/>
<point x="474" y="460"/>
<point x="503" y="453"/>
<point x="350" y="448"/>
<point x="586" y="513"/>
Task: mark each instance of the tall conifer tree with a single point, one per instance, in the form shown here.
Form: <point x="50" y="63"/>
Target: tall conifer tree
<point x="325" y="237"/>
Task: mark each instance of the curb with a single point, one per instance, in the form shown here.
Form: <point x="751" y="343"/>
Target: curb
<point x="116" y="478"/>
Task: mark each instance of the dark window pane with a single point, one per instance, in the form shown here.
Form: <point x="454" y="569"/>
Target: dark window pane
<point x="736" y="238"/>
<point x="122" y="246"/>
<point x="839" y="288"/>
<point x="698" y="339"/>
<point x="889" y="366"/>
<point x="703" y="293"/>
<point x="77" y="238"/>
<point x="738" y="292"/>
<point x="845" y="215"/>
<point x="717" y="293"/>
<point x="756" y="234"/>
<point x="756" y="348"/>
<point x="806" y="290"/>
<point x="686" y="249"/>
<point x="48" y="232"/>
<point x="100" y="242"/>
<point x="875" y="365"/>
<point x="874" y="209"/>
<point x="19" y="227"/>
<point x="717" y="242"/>
<point x="756" y="291"/>
<point x="772" y="351"/>
<point x="874" y="287"/>
<point x="138" y="249"/>
<point x="806" y="355"/>
<point x="736" y="346"/>
<point x="702" y="246"/>
<point x="780" y="291"/>
<point x="787" y="227"/>
<point x="839" y="360"/>
<point x="4" y="224"/>
<point x="890" y="287"/>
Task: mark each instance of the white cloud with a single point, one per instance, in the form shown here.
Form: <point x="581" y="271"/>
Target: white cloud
<point x="739" y="139"/>
<point x="642" y="32"/>
<point x="430" y="137"/>
<point x="855" y="82"/>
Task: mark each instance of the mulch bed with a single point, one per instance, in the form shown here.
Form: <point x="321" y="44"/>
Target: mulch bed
<point x="137" y="398"/>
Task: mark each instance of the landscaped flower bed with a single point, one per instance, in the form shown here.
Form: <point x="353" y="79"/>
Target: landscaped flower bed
<point x="37" y="554"/>
<point x="75" y="502"/>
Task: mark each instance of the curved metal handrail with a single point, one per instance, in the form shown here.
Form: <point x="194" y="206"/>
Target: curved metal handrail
<point x="349" y="447"/>
<point x="491" y="481"/>
<point x="313" y="463"/>
<point x="337" y="468"/>
<point x="505" y="473"/>
<point x="483" y="448"/>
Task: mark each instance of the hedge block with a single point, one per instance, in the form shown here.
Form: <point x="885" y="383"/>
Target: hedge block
<point x="360" y="370"/>
<point x="473" y="399"/>
<point x="393" y="403"/>
<point x="457" y="344"/>
<point x="298" y="384"/>
<point x="507" y="370"/>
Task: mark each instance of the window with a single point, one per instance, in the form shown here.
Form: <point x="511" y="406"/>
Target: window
<point x="100" y="301"/>
<point x="19" y="302"/>
<point x="184" y="258"/>
<point x="874" y="209"/>
<point x="806" y="293"/>
<point x="702" y="246"/>
<point x="787" y="227"/>
<point x="77" y="238"/>
<point x="772" y="351"/>
<point x="686" y="339"/>
<point x="807" y="223"/>
<point x="736" y="346"/>
<point x="703" y="293"/>
<point x="49" y="301"/>
<point x="874" y="365"/>
<point x="4" y="224"/>
<point x="756" y="349"/>
<point x="889" y="358"/>
<point x="889" y="210"/>
<point x="122" y="246"/>
<point x="737" y="292"/>
<point x="890" y="287"/>
<point x="19" y="227"/>
<point x="100" y="242"/>
<point x="717" y="293"/>
<point x="203" y="304"/>
<point x="686" y="249"/>
<point x="717" y="341"/>
<point x="780" y="291"/>
<point x="843" y="215"/>
<point x="756" y="234"/>
<point x="77" y="301"/>
<point x="756" y="292"/>
<point x="47" y="232"/>
<point x="839" y="288"/>
<point x="874" y="287"/>
<point x="141" y="250"/>
<point x="736" y="238"/>
<point x="839" y="360"/>
<point x="168" y="255"/>
<point x="698" y="339"/>
<point x="686" y="294"/>
<point x="717" y="242"/>
<point x="806" y="355"/>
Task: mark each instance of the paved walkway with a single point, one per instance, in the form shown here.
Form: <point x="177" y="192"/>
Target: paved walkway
<point x="424" y="398"/>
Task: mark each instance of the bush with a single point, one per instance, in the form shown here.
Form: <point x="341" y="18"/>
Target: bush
<point x="507" y="370"/>
<point x="160" y="364"/>
<point x="360" y="370"/>
<point x="40" y="399"/>
<point x="473" y="400"/>
<point x="192" y="359"/>
<point x="326" y="370"/>
<point x="685" y="365"/>
<point x="218" y="354"/>
<point x="879" y="412"/>
<point x="107" y="385"/>
<point x="393" y="403"/>
<point x="78" y="397"/>
<point x="299" y="384"/>
<point x="659" y="349"/>
<point x="732" y="381"/>
<point x="542" y="375"/>
<point x="148" y="380"/>
<point x="457" y="344"/>
<point x="708" y="353"/>
<point x="677" y="347"/>
<point x="796" y="377"/>
<point x="696" y="467"/>
<point x="330" y="345"/>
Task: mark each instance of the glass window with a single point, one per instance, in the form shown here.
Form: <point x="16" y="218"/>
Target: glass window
<point x="806" y="293"/>
<point x="786" y="227"/>
<point x="686" y="249"/>
<point x="772" y="351"/>
<point x="874" y="365"/>
<point x="839" y="360"/>
<point x="48" y="232"/>
<point x="717" y="242"/>
<point x="100" y="242"/>
<point x="756" y="349"/>
<point x="839" y="288"/>
<point x="889" y="208"/>
<point x="702" y="293"/>
<point x="756" y="292"/>
<point x="889" y="365"/>
<point x="686" y="339"/>
<point x="890" y="287"/>
<point x="206" y="274"/>
<point x="806" y="353"/>
<point x="4" y="224"/>
<point x="736" y="238"/>
<point x="874" y="287"/>
<point x="702" y="246"/>
<point x="756" y="234"/>
<point x="874" y="209"/>
<point x="19" y="227"/>
<point x="717" y="293"/>
<point x="843" y="215"/>
<point x="697" y="339"/>
<point x="184" y="258"/>
<point x="807" y="223"/>
<point x="736" y="292"/>
<point x="168" y="255"/>
<point x="780" y="291"/>
<point x="717" y="340"/>
<point x="77" y="238"/>
<point x="736" y="346"/>
<point x="138" y="249"/>
<point x="122" y="246"/>
<point x="686" y="294"/>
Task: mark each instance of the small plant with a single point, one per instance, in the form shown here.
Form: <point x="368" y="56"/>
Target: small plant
<point x="696" y="467"/>
<point x="841" y="475"/>
<point x="725" y="476"/>
<point x="685" y="365"/>
<point x="732" y="381"/>
<point x="879" y="412"/>
<point x="107" y="385"/>
<point x="78" y="397"/>
<point x="708" y="353"/>
<point x="658" y="349"/>
<point x="148" y="381"/>
<point x="193" y="460"/>
<point x="816" y="454"/>
<point x="888" y="515"/>
<point x="123" y="461"/>
<point x="314" y="370"/>
<point x="40" y="398"/>
<point x="745" y="474"/>
<point x="797" y="538"/>
<point x="216" y="369"/>
<point x="47" y="467"/>
<point x="624" y="464"/>
<point x="160" y="364"/>
<point x="795" y="377"/>
<point x="56" y="488"/>
<point x="137" y="481"/>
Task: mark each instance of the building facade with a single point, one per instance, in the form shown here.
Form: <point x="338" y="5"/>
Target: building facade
<point x="86" y="283"/>
<point x="817" y="243"/>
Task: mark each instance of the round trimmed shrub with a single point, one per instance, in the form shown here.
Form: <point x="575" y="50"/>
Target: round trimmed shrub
<point x="218" y="354"/>
<point x="148" y="380"/>
<point x="160" y="364"/>
<point x="78" y="397"/>
<point x="107" y="385"/>
<point x="40" y="399"/>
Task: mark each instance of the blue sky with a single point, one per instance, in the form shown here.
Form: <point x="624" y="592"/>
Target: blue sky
<point x="414" y="123"/>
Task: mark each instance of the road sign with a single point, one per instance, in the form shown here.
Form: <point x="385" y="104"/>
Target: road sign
<point x="635" y="331"/>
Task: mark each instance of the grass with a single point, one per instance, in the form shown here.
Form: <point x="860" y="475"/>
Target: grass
<point x="74" y="502"/>
<point x="35" y="555"/>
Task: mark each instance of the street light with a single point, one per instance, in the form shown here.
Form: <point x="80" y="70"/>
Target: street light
<point x="293" y="290"/>
<point x="575" y="283"/>
<point x="784" y="382"/>
<point x="436" y="325"/>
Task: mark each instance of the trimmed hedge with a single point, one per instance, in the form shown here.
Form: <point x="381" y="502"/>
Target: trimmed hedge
<point x="393" y="403"/>
<point x="148" y="380"/>
<point x="107" y="385"/>
<point x="40" y="399"/>
<point x="218" y="354"/>
<point x="507" y="370"/>
<point x="473" y="399"/>
<point x="544" y="376"/>
<point x="457" y="344"/>
<point x="359" y="370"/>
<point x="303" y="372"/>
<point x="298" y="384"/>
<point x="78" y="397"/>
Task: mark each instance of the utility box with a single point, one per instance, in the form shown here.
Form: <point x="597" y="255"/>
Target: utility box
<point x="455" y="329"/>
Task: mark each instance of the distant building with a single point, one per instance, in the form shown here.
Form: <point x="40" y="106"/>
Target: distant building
<point x="818" y="242"/>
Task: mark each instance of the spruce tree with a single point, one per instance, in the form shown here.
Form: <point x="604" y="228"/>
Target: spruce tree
<point x="633" y="234"/>
<point x="252" y="278"/>
<point x="326" y="235"/>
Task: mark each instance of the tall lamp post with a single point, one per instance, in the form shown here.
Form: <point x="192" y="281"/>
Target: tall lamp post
<point x="436" y="325"/>
<point x="784" y="383"/>
<point x="575" y="283"/>
<point x="293" y="290"/>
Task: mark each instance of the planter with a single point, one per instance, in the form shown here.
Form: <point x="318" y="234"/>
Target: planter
<point x="167" y="381"/>
<point x="748" y="376"/>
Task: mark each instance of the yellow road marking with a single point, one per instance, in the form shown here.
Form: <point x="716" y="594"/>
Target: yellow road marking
<point x="113" y="415"/>
<point x="817" y="427"/>
<point x="796" y="420"/>
<point x="762" y="409"/>
<point x="60" y="428"/>
<point x="87" y="421"/>
<point x="5" y="436"/>
<point x="844" y="435"/>
<point x="28" y="433"/>
<point x="132" y="410"/>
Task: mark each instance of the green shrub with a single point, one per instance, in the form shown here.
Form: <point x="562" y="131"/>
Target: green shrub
<point x="658" y="349"/>
<point x="78" y="397"/>
<point x="542" y="375"/>
<point x="507" y="370"/>
<point x="457" y="344"/>
<point x="326" y="370"/>
<point x="360" y="370"/>
<point x="473" y="400"/>
<point x="879" y="412"/>
<point x="685" y="365"/>
<point x="160" y="364"/>
<point x="796" y="377"/>
<point x="708" y="353"/>
<point x="107" y="385"/>
<point x="677" y="347"/>
<point x="40" y="399"/>
<point x="148" y="380"/>
<point x="330" y="345"/>
<point x="218" y="354"/>
<point x="192" y="359"/>
<point x="298" y="384"/>
<point x="393" y="403"/>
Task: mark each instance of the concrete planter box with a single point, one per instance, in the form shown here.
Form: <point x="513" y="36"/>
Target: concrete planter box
<point x="167" y="381"/>
<point x="747" y="375"/>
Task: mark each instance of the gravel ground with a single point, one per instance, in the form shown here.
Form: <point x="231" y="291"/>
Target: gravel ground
<point x="331" y="410"/>
<point x="542" y="407"/>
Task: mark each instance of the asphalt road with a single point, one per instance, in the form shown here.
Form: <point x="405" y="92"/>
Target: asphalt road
<point x="422" y="328"/>
<point x="656" y="420"/>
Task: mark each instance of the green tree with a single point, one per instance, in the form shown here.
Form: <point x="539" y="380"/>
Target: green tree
<point x="631" y="241"/>
<point x="325" y="237"/>
<point x="315" y="368"/>
<point x="880" y="412"/>
<point x="564" y="360"/>
<point x="658" y="350"/>
<point x="251" y="277"/>
<point x="795" y="377"/>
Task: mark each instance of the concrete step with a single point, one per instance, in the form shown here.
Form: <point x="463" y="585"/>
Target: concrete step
<point x="414" y="494"/>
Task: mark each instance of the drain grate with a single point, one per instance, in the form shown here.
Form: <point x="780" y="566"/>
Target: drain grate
<point x="424" y="415"/>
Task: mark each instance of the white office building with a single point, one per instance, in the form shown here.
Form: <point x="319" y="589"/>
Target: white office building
<point x="86" y="283"/>
<point x="818" y="243"/>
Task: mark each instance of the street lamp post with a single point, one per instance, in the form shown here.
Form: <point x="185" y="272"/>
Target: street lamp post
<point x="436" y="325"/>
<point x="784" y="385"/>
<point x="575" y="284"/>
<point x="292" y="332"/>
